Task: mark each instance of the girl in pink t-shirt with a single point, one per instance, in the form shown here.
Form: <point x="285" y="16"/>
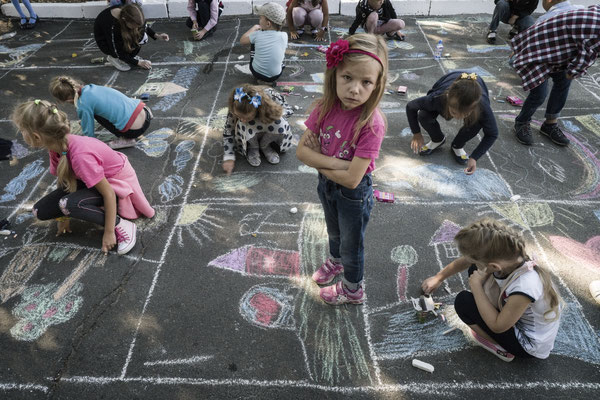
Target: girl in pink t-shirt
<point x="344" y="134"/>
<point x="94" y="181"/>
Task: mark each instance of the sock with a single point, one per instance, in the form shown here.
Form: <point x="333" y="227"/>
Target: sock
<point x="433" y="145"/>
<point x="351" y="286"/>
<point x="459" y="152"/>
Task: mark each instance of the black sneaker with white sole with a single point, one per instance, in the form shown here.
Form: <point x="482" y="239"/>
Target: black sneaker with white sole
<point x="555" y="134"/>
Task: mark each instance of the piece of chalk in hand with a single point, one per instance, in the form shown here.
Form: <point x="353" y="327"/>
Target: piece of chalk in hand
<point x="422" y="365"/>
<point x="515" y="197"/>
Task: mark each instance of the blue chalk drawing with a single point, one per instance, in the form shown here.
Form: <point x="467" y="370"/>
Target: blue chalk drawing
<point x="482" y="48"/>
<point x="17" y="185"/>
<point x="478" y="70"/>
<point x="23" y="217"/>
<point x="170" y="188"/>
<point x="447" y="182"/>
<point x="416" y="55"/>
<point x="571" y="126"/>
<point x="18" y="150"/>
<point x="575" y="337"/>
<point x="597" y="214"/>
<point x="406" y="132"/>
<point x="184" y="154"/>
<point x="183" y="78"/>
<point x="155" y="144"/>
<point x="18" y="53"/>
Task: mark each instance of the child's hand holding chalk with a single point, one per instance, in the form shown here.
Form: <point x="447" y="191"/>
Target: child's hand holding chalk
<point x="63" y="225"/>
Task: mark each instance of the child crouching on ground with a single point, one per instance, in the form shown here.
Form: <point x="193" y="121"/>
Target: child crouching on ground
<point x="378" y="17"/>
<point x="255" y="121"/>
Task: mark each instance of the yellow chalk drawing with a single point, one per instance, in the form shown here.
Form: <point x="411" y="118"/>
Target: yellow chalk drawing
<point x="20" y="269"/>
<point x="590" y="122"/>
<point x="191" y="213"/>
<point x="533" y="214"/>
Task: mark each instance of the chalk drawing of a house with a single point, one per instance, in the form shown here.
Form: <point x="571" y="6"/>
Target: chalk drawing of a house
<point x="444" y="238"/>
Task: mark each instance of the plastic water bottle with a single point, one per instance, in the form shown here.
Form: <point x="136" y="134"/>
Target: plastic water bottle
<point x="439" y="49"/>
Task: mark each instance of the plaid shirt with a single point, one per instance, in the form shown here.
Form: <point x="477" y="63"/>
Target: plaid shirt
<point x="567" y="42"/>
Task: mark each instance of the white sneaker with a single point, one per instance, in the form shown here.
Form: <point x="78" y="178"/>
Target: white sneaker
<point x="121" y="143"/>
<point x="118" y="64"/>
<point x="125" y="232"/>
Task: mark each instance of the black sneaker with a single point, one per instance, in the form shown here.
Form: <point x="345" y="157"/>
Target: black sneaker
<point x="555" y="134"/>
<point x="523" y="134"/>
<point x="491" y="37"/>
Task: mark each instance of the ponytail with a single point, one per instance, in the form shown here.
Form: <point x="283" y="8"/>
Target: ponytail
<point x="65" y="88"/>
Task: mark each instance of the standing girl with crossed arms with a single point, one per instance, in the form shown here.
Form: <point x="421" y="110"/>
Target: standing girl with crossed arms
<point x="342" y="140"/>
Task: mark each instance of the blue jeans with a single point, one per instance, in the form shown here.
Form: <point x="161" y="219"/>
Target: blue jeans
<point x="347" y="213"/>
<point x="502" y="14"/>
<point x="537" y="95"/>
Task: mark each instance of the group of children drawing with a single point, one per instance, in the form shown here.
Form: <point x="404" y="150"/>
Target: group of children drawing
<point x="343" y="137"/>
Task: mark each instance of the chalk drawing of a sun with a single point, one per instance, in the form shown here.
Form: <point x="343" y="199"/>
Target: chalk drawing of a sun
<point x="198" y="223"/>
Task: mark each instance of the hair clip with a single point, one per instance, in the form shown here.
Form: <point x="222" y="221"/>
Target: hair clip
<point x="37" y="102"/>
<point x="54" y="111"/>
<point x="256" y="101"/>
<point x="239" y="94"/>
<point x="472" y="76"/>
<point x="64" y="153"/>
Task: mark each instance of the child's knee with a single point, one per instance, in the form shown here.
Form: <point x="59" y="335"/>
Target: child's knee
<point x="372" y="19"/>
<point x="398" y="24"/>
<point x="63" y="205"/>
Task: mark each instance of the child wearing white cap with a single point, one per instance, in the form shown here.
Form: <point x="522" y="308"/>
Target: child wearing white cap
<point x="267" y="43"/>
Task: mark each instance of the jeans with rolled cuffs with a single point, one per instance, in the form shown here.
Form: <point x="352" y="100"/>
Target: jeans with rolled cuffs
<point x="537" y="95"/>
<point x="347" y="213"/>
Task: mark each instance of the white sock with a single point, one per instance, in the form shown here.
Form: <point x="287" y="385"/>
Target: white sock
<point x="459" y="152"/>
<point x="433" y="145"/>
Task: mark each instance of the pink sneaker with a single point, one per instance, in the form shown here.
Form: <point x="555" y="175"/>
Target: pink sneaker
<point x="337" y="294"/>
<point x="493" y="348"/>
<point x="327" y="272"/>
<point x="125" y="233"/>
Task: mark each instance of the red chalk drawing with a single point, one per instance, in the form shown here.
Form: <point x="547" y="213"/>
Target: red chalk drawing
<point x="260" y="261"/>
<point x="406" y="256"/>
<point x="586" y="254"/>
<point x="266" y="308"/>
<point x="269" y="306"/>
<point x="402" y="280"/>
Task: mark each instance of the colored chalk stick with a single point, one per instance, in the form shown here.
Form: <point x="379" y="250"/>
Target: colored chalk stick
<point x="422" y="365"/>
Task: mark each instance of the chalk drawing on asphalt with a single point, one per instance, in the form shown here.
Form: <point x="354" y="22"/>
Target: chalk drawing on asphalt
<point x="406" y="256"/>
<point x="269" y="306"/>
<point x="20" y="269"/>
<point x="155" y="144"/>
<point x="17" y="185"/>
<point x="198" y="223"/>
<point x="170" y="188"/>
<point x="259" y="261"/>
<point x="265" y="224"/>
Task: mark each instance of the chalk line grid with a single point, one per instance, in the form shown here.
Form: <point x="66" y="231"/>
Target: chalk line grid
<point x="426" y="388"/>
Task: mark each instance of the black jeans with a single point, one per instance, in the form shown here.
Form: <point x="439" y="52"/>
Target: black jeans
<point x="428" y="121"/>
<point x="129" y="134"/>
<point x="82" y="204"/>
<point x="467" y="311"/>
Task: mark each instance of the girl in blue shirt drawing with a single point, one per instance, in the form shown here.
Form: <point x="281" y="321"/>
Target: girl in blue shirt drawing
<point x="123" y="116"/>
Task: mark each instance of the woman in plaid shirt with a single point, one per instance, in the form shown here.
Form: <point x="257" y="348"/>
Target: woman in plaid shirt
<point x="562" y="48"/>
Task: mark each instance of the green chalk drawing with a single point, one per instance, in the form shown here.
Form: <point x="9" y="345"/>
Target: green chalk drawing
<point x="58" y="254"/>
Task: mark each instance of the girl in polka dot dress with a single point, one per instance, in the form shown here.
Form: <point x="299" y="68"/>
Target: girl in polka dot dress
<point x="255" y="121"/>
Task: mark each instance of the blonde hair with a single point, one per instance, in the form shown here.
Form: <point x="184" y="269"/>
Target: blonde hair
<point x="488" y="240"/>
<point x="65" y="88"/>
<point x="131" y="13"/>
<point x="52" y="125"/>
<point x="372" y="44"/>
<point x="268" y="111"/>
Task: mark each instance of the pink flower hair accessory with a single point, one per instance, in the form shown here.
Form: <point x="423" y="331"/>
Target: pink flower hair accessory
<point x="336" y="51"/>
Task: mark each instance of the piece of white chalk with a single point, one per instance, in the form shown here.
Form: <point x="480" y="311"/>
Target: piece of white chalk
<point x="5" y="232"/>
<point x="293" y="210"/>
<point x="447" y="290"/>
<point x="515" y="197"/>
<point x="449" y="330"/>
<point x="422" y="365"/>
<point x="241" y="57"/>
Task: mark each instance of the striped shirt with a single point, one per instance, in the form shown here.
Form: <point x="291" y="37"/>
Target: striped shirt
<point x="568" y="42"/>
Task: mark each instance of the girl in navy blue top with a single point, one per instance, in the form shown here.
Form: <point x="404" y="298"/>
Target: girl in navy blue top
<point x="457" y="95"/>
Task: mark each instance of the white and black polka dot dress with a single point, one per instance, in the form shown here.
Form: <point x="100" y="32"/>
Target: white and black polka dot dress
<point x="236" y="133"/>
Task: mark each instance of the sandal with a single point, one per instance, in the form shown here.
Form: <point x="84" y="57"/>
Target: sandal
<point x="23" y="23"/>
<point x="31" y="25"/>
<point x="396" y="36"/>
<point x="253" y="157"/>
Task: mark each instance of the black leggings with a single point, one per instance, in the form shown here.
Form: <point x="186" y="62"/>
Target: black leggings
<point x="428" y="121"/>
<point x="202" y="16"/>
<point x="82" y="204"/>
<point x="467" y="311"/>
<point x="129" y="134"/>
